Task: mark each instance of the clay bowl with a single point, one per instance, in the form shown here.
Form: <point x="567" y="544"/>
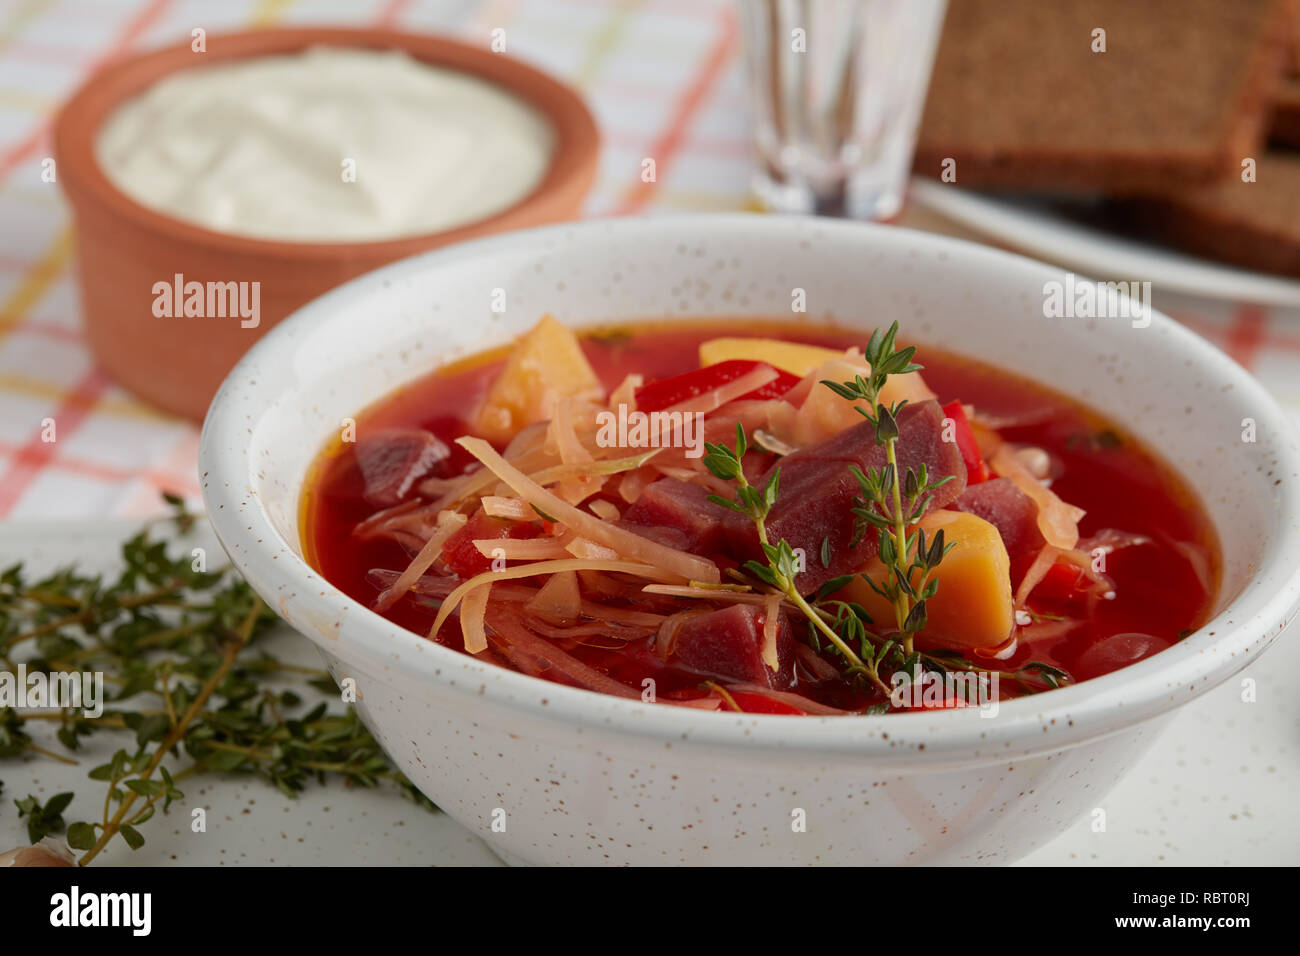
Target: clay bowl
<point x="124" y="248"/>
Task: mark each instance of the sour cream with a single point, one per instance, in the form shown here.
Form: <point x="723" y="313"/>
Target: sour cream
<point x="328" y="145"/>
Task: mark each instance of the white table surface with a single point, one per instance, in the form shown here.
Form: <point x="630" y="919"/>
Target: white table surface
<point x="1219" y="788"/>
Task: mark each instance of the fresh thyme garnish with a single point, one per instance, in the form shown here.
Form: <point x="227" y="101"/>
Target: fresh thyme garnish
<point x="1039" y="617"/>
<point x="1101" y="440"/>
<point x="1051" y="676"/>
<point x="781" y="568"/>
<point x="613" y="336"/>
<point x="187" y="684"/>
<point x="544" y="516"/>
<point x="890" y="503"/>
<point x="44" y="820"/>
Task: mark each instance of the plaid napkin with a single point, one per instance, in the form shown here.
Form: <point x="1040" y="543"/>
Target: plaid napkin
<point x="662" y="76"/>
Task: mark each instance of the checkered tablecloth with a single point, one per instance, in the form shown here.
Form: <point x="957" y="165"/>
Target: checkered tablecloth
<point x="662" y="76"/>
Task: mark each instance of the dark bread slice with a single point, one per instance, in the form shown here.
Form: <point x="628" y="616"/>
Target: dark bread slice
<point x="1255" y="225"/>
<point x="1285" y="126"/>
<point x="1295" y="45"/>
<point x="1018" y="98"/>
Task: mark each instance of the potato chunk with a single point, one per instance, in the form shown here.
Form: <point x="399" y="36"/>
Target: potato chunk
<point x="823" y="413"/>
<point x="800" y="359"/>
<point x="545" y="364"/>
<point x="973" y="606"/>
<point x="793" y="357"/>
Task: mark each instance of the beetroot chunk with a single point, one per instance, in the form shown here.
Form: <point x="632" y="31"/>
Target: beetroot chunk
<point x="816" y="492"/>
<point x="683" y="510"/>
<point x="392" y="461"/>
<point x="1014" y="514"/>
<point x="728" y="644"/>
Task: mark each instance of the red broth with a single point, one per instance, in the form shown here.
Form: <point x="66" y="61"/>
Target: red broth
<point x="1163" y="589"/>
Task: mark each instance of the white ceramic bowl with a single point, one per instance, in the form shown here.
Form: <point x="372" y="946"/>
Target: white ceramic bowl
<point x="576" y="777"/>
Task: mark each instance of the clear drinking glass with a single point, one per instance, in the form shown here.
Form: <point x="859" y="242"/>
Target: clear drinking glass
<point x="837" y="88"/>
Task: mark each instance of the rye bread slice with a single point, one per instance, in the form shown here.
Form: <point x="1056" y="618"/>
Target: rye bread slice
<point x="1295" y="45"/>
<point x="1019" y="99"/>
<point x="1255" y="225"/>
<point x="1284" y="130"/>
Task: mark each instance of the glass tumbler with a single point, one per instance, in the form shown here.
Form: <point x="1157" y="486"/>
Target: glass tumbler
<point x="837" y="88"/>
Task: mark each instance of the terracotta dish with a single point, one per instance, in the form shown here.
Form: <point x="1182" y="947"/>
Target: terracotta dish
<point x="124" y="248"/>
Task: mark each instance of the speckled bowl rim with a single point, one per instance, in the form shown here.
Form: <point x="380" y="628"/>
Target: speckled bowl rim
<point x="570" y="172"/>
<point x="1028" y="726"/>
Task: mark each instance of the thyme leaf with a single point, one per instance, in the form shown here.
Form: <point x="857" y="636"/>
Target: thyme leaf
<point x="193" y="690"/>
<point x="889" y="502"/>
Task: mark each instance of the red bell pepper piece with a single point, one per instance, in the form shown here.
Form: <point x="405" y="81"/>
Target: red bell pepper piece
<point x="667" y="392"/>
<point x="976" y="469"/>
<point x="459" y="552"/>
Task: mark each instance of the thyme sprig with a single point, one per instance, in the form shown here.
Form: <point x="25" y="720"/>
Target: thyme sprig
<point x="192" y="688"/>
<point x="892" y="503"/>
<point x="781" y="568"/>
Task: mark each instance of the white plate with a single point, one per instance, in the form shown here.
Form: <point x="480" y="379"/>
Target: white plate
<point x="249" y="822"/>
<point x="1036" y="228"/>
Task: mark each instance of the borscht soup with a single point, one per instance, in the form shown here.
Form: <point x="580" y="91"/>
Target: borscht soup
<point x="760" y="517"/>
